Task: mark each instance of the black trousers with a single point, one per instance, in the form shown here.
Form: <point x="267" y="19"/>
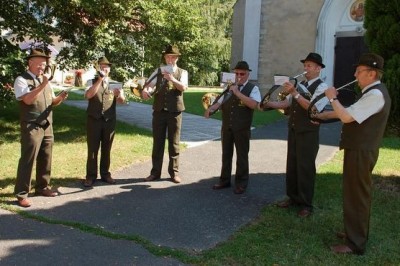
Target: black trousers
<point x="300" y="166"/>
<point x="241" y="141"/>
<point x="357" y="196"/>
<point x="36" y="144"/>
<point x="100" y="134"/>
<point x="166" y="124"/>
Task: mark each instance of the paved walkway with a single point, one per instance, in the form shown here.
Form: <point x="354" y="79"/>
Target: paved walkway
<point x="188" y="216"/>
<point x="196" y="130"/>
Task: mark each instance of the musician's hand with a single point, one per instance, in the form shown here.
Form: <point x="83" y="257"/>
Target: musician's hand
<point x="207" y="113"/>
<point x="331" y="92"/>
<point x="234" y="89"/>
<point x="45" y="78"/>
<point x="116" y="92"/>
<point x="315" y="122"/>
<point x="145" y="94"/>
<point x="168" y="76"/>
<point x="289" y="87"/>
<point x="64" y="95"/>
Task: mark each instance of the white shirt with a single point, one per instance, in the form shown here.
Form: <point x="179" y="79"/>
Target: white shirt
<point x="21" y="86"/>
<point x="369" y="104"/>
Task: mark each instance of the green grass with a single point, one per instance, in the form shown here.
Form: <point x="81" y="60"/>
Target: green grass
<point x="277" y="237"/>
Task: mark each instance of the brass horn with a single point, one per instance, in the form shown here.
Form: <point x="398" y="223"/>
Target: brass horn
<point x="97" y="67"/>
<point x="282" y="95"/>
<point x="51" y="69"/>
<point x="136" y="86"/>
<point x="210" y="98"/>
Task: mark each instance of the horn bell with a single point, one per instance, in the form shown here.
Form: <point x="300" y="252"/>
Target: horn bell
<point x="208" y="99"/>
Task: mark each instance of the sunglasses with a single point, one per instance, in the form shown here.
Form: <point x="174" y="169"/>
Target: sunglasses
<point x="240" y="73"/>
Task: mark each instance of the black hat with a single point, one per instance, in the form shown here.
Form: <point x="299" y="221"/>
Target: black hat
<point x="103" y="61"/>
<point x="371" y="60"/>
<point x="37" y="53"/>
<point x="314" y="57"/>
<point x="242" y="65"/>
<point x="171" y="49"/>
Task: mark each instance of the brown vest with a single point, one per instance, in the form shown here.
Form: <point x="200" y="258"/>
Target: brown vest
<point x="368" y="134"/>
<point x="235" y="114"/>
<point x="40" y="111"/>
<point x="168" y="97"/>
<point x="298" y="116"/>
<point x="102" y="104"/>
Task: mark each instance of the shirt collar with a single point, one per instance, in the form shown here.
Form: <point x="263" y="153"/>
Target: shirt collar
<point x="311" y="81"/>
<point x="371" y="85"/>
<point x="33" y="75"/>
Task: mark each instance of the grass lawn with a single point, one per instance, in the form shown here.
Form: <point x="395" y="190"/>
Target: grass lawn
<point x="277" y="237"/>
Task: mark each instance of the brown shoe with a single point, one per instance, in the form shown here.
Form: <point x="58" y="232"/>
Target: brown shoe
<point x="24" y="202"/>
<point x="151" y="178"/>
<point x="176" y="179"/>
<point x="109" y="180"/>
<point x="221" y="186"/>
<point x="286" y="203"/>
<point x="47" y="193"/>
<point x="342" y="249"/>
<point x="304" y="213"/>
<point x="88" y="183"/>
<point x="341" y="235"/>
<point x="239" y="190"/>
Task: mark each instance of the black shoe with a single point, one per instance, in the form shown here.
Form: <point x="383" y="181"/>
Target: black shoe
<point x="221" y="186"/>
<point x="88" y="183"/>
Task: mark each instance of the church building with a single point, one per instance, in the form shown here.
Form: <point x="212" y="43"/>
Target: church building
<point x="274" y="35"/>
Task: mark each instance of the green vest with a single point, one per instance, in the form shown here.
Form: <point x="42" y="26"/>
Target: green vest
<point x="40" y="111"/>
<point x="235" y="114"/>
<point x="168" y="97"/>
<point x="367" y="135"/>
<point x="102" y="104"/>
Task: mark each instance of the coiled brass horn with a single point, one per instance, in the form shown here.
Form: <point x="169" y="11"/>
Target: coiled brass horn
<point x="210" y="98"/>
<point x="136" y="86"/>
<point x="51" y="69"/>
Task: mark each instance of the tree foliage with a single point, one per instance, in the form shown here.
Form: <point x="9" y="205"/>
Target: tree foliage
<point x="382" y="21"/>
<point x="132" y="34"/>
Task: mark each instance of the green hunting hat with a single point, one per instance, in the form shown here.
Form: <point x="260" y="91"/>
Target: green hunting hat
<point x="37" y="53"/>
<point x="171" y="49"/>
<point x="103" y="61"/>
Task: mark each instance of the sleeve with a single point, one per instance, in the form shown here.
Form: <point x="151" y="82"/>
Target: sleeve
<point x="153" y="82"/>
<point x="255" y="94"/>
<point x="185" y="78"/>
<point x="20" y="87"/>
<point x="368" y="105"/>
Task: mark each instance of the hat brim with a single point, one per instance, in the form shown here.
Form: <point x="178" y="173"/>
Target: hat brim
<point x="43" y="56"/>
<point x="356" y="65"/>
<point x="315" y="61"/>
<point x="242" y="69"/>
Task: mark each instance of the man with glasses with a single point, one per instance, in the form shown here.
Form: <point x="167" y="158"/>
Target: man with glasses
<point x="237" y="106"/>
<point x="364" y="124"/>
<point x="36" y="99"/>
<point x="303" y="137"/>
